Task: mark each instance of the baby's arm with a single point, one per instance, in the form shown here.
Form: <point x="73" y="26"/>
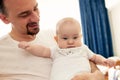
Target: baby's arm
<point x="98" y="59"/>
<point x="35" y="49"/>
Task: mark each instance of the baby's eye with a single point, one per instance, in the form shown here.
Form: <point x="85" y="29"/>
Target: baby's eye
<point x="65" y="38"/>
<point x="75" y="37"/>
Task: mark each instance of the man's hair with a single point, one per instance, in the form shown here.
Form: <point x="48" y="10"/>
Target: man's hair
<point x="2" y="7"/>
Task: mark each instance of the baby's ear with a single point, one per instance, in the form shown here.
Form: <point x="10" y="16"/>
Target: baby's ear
<point x="56" y="38"/>
<point x="81" y="35"/>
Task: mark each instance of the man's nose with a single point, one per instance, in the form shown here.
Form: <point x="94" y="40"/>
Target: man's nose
<point x="35" y="17"/>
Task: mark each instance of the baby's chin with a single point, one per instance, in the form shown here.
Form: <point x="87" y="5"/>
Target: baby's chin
<point x="71" y="46"/>
<point x="67" y="47"/>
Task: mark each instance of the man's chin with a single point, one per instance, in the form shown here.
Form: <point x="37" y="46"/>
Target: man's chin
<point x="34" y="32"/>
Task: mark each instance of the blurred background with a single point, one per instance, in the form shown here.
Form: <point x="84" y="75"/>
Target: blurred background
<point x="53" y="10"/>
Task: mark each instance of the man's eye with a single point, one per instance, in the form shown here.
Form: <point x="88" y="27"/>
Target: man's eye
<point x="25" y="15"/>
<point x="36" y="9"/>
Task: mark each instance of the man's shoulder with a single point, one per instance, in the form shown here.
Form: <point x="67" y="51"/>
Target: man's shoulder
<point x="46" y="37"/>
<point x="4" y="39"/>
<point x="47" y="32"/>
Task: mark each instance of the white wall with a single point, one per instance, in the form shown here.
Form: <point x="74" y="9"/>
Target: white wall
<point x="50" y="12"/>
<point x="54" y="10"/>
<point x="113" y="7"/>
<point x="110" y="4"/>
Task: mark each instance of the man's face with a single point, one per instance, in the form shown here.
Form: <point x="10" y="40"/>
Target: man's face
<point x="23" y="15"/>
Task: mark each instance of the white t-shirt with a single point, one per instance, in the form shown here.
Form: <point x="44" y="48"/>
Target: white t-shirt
<point x="69" y="62"/>
<point x="17" y="64"/>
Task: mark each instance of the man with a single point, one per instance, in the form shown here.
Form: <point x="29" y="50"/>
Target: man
<point x="15" y="63"/>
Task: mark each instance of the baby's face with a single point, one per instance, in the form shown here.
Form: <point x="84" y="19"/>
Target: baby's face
<point x="69" y="36"/>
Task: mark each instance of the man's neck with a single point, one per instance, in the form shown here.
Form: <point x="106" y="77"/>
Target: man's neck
<point x="22" y="37"/>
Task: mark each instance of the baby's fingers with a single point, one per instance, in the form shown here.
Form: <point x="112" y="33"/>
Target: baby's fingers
<point x="23" y="44"/>
<point x="111" y="63"/>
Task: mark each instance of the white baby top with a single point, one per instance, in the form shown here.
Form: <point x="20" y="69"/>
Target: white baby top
<point x="68" y="62"/>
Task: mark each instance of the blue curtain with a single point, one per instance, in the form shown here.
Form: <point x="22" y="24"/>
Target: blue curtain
<point x="95" y="26"/>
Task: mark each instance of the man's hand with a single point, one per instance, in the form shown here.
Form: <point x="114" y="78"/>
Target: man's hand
<point x="95" y="74"/>
<point x="83" y="76"/>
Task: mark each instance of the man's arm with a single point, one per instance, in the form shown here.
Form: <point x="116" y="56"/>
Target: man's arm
<point x="93" y="67"/>
<point x="95" y="74"/>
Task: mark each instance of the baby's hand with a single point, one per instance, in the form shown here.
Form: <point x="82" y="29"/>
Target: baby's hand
<point x="109" y="62"/>
<point x="23" y="44"/>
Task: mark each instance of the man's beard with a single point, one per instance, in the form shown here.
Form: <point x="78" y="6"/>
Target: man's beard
<point x="32" y="31"/>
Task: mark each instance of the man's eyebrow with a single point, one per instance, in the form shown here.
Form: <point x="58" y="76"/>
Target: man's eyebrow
<point x="27" y="10"/>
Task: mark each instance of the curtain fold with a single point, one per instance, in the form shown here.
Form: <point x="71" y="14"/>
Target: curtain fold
<point x="95" y="27"/>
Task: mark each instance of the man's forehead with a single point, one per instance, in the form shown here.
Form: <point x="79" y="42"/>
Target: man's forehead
<point x="10" y="1"/>
<point x="19" y="2"/>
<point x="20" y="6"/>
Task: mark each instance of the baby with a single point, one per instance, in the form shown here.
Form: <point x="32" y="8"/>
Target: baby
<point x="71" y="57"/>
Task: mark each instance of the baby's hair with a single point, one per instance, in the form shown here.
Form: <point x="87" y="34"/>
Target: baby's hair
<point x="65" y="21"/>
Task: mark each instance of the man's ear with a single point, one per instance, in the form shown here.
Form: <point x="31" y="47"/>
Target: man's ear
<point x="4" y="18"/>
<point x="56" y="38"/>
